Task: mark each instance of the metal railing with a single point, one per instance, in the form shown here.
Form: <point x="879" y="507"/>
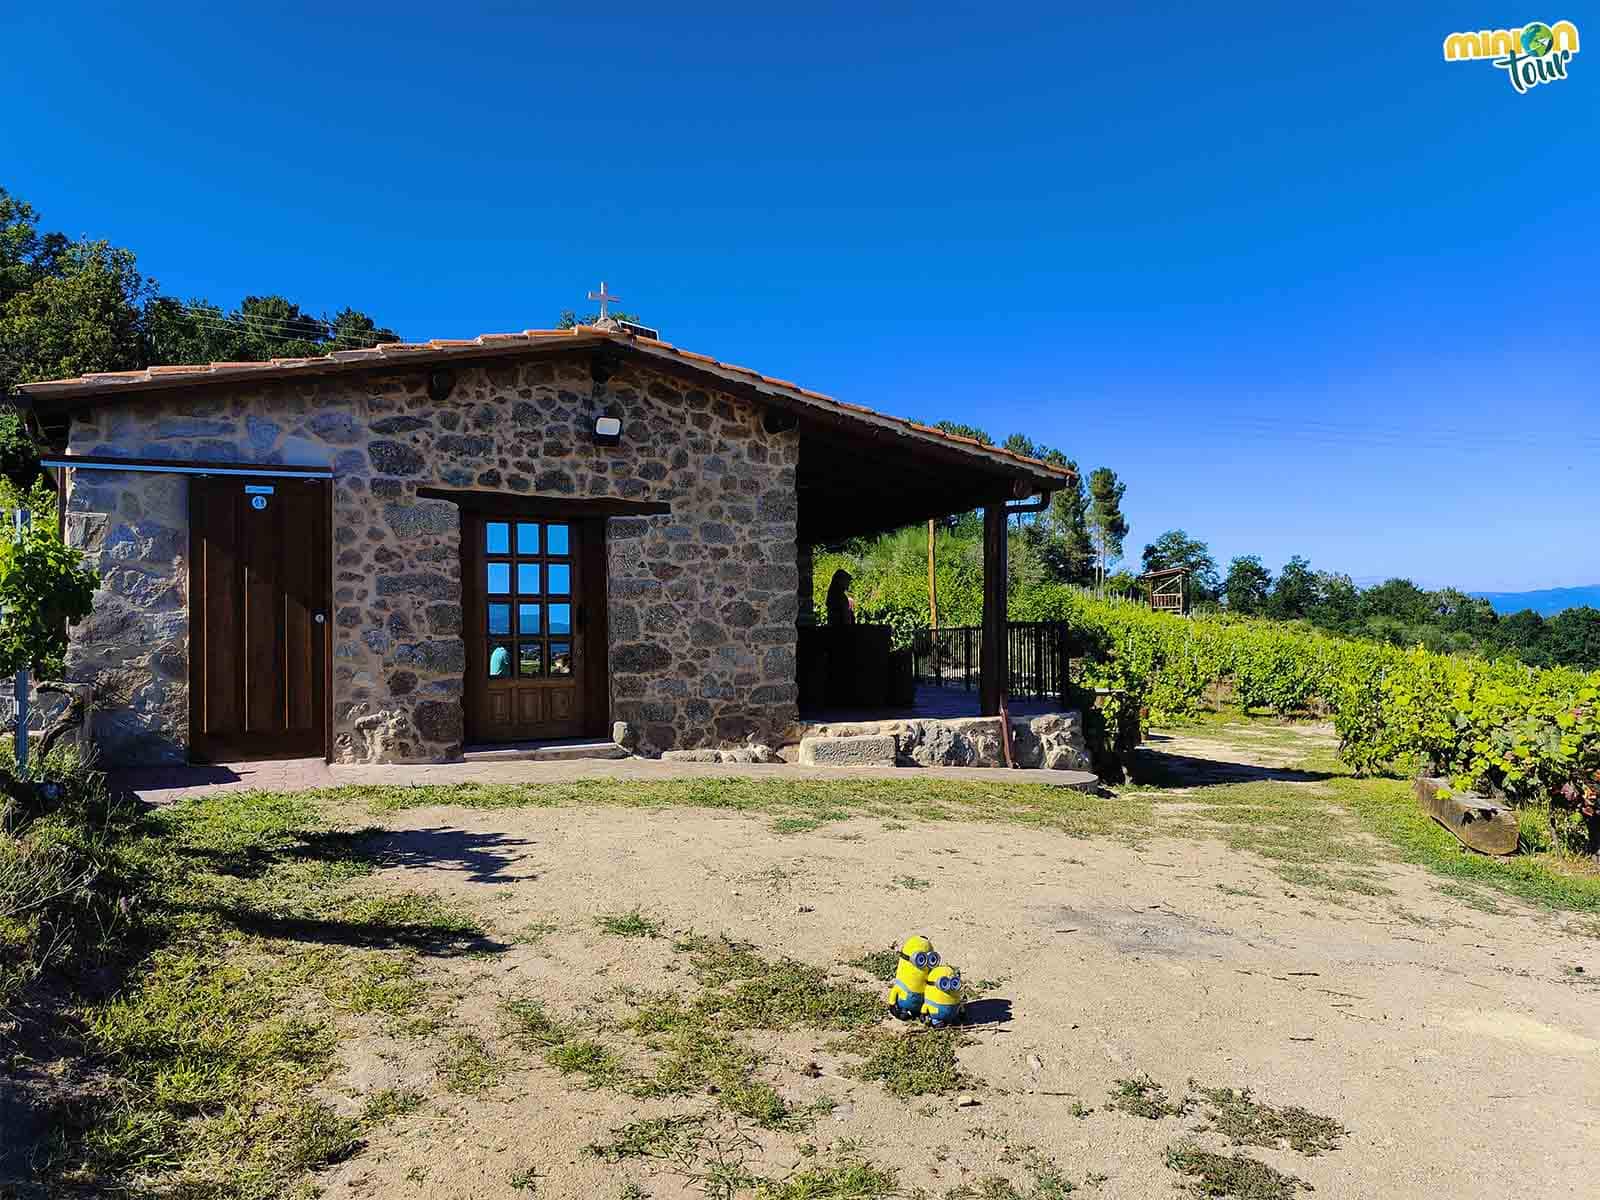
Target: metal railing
<point x="1038" y="653"/>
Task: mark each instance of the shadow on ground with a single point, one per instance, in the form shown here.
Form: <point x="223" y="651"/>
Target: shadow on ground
<point x="380" y="933"/>
<point x="1169" y="768"/>
<point x="482" y="857"/>
<point x="993" y="1011"/>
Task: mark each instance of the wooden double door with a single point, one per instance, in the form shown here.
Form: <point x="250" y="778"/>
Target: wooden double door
<point x="533" y="620"/>
<point x="259" y="563"/>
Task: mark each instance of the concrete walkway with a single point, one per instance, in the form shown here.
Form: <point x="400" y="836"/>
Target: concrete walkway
<point x="163" y="785"/>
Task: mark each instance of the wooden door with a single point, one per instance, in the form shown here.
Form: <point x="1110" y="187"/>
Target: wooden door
<point x="258" y="606"/>
<point x="527" y="616"/>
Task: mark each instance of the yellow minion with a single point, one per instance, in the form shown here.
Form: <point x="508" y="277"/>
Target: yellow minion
<point x="942" y="1003"/>
<point x="917" y="958"/>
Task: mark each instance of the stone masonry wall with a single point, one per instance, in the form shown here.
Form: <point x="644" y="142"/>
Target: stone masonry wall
<point x="702" y="600"/>
<point x="133" y="528"/>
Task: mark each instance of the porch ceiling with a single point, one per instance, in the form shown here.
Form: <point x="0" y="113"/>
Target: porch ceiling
<point x="849" y="487"/>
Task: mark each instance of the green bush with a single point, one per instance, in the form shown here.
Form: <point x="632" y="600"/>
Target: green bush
<point x="43" y="586"/>
<point x="1527" y="734"/>
<point x="65" y="886"/>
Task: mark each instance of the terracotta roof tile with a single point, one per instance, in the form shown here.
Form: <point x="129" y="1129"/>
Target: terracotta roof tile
<point x="183" y="375"/>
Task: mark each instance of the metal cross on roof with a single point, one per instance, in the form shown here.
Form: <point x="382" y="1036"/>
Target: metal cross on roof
<point x="604" y="297"/>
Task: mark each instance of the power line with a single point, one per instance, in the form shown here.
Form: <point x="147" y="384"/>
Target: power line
<point x="220" y="324"/>
<point x="292" y="326"/>
<point x="217" y="324"/>
<point x="260" y="318"/>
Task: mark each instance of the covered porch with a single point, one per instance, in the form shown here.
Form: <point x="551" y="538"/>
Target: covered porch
<point x="849" y="485"/>
<point x="929" y="702"/>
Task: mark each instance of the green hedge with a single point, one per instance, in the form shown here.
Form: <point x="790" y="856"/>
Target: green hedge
<point x="1529" y="734"/>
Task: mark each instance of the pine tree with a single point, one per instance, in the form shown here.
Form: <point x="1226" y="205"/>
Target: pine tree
<point x="1107" y="525"/>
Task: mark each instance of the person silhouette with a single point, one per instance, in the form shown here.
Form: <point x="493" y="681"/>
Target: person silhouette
<point x="841" y="609"/>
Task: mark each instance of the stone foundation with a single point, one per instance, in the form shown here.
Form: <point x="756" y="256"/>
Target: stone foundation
<point x="1054" y="742"/>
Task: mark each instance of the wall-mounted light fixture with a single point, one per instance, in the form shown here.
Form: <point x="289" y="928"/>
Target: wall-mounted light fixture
<point x="607" y="431"/>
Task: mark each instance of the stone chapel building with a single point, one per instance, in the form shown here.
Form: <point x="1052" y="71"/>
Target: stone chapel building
<point x="386" y="555"/>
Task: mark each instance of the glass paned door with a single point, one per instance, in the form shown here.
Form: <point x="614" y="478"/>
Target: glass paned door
<point x="525" y="648"/>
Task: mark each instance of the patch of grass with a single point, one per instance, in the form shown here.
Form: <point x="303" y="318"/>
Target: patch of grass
<point x="389" y="1104"/>
<point x="990" y="1187"/>
<point x="308" y="1134"/>
<point x="656" y="1137"/>
<point x="1307" y="842"/>
<point x="376" y="983"/>
<point x="1047" y="1184"/>
<point x="1243" y="1178"/>
<point x="783" y="825"/>
<point x="1144" y="1097"/>
<point x="919" y="1062"/>
<point x="1318" y="827"/>
<point x="1245" y="1121"/>
<point x="759" y="1102"/>
<point x="911" y="883"/>
<point x="419" y="920"/>
<point x="629" y="924"/>
<point x="844" y="1181"/>
<point x="629" y="1190"/>
<point x="697" y="1056"/>
<point x="1387" y="808"/>
<point x="534" y="933"/>
<point x="526" y="1020"/>
<point x="815" y="801"/>
<point x="1470" y="896"/>
<point x="232" y="954"/>
<point x="1079" y="1110"/>
<point x="880" y="964"/>
<point x="467" y="1068"/>
<point x="524" y="1179"/>
<point x="598" y="1065"/>
<point x="792" y="996"/>
<point x="747" y="991"/>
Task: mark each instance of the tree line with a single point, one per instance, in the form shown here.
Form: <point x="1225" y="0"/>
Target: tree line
<point x="71" y="306"/>
<point x="1081" y="535"/>
<point x="1396" y="611"/>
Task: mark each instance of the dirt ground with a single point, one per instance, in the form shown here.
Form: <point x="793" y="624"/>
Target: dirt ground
<point x="1461" y="1049"/>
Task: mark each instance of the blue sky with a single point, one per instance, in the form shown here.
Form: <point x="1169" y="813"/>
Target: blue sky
<point x="1308" y="287"/>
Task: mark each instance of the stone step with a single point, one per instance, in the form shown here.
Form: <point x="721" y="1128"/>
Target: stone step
<point x="863" y="750"/>
<point x="1053" y="741"/>
<point x="566" y="750"/>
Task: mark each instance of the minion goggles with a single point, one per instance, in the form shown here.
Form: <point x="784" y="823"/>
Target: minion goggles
<point x="923" y="960"/>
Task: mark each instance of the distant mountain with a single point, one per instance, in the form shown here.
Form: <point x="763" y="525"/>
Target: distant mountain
<point x="1546" y="603"/>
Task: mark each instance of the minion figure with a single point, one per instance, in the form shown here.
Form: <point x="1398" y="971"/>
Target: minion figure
<point x="917" y="958"/>
<point x="942" y="1003"/>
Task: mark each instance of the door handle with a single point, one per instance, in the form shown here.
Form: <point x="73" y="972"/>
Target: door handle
<point x="320" y="618"/>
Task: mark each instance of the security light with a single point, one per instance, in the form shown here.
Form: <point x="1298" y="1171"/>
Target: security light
<point x="607" y="431"/>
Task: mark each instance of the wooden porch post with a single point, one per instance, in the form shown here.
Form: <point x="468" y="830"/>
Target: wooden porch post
<point x="993" y="668"/>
